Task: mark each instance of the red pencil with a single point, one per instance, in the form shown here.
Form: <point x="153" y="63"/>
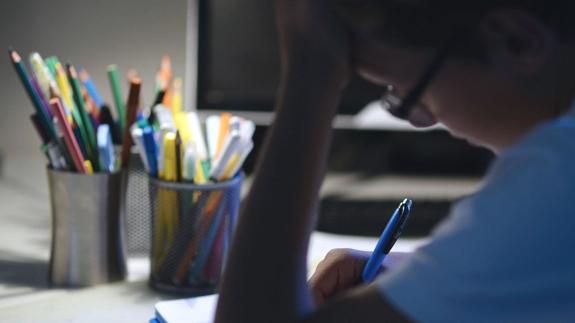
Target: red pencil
<point x="71" y="143"/>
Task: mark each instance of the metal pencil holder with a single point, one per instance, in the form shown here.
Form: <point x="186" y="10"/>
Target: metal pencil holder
<point x="88" y="245"/>
<point x="192" y="227"/>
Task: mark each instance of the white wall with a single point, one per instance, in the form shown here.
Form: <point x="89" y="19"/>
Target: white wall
<point x="92" y="34"/>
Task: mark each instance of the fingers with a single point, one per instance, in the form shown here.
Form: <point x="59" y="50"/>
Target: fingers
<point x="338" y="271"/>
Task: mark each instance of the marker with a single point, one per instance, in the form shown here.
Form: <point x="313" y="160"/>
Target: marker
<point x="388" y="237"/>
<point x="223" y="132"/>
<point x="247" y="129"/>
<point x="170" y="157"/>
<point x="229" y="149"/>
<point x="212" y="132"/>
<point x="165" y="118"/>
<point x="151" y="150"/>
<point x="238" y="160"/>
<point x="190" y="157"/>
<point x="138" y="137"/>
<point x="107" y="118"/>
<point x="197" y="135"/>
<point x="105" y="148"/>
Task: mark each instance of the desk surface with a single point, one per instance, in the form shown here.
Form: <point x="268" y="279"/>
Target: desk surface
<point x="24" y="253"/>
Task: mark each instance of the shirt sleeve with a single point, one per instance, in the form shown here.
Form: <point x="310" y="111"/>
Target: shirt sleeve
<point x="498" y="256"/>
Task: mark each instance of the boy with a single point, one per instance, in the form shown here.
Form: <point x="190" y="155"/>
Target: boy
<point x="498" y="73"/>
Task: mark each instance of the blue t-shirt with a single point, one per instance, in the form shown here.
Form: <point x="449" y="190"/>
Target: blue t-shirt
<point x="506" y="253"/>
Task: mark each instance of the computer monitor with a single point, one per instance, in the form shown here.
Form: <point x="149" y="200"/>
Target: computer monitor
<point x="238" y="64"/>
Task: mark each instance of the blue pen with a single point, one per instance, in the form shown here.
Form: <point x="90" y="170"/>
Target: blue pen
<point x="151" y="150"/>
<point x="387" y="239"/>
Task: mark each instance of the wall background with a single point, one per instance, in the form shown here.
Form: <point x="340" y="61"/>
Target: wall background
<point x="92" y="34"/>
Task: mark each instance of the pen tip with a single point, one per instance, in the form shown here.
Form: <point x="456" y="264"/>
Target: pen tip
<point x="407" y="202"/>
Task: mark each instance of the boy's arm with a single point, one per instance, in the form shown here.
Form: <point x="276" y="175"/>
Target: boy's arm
<point x="265" y="277"/>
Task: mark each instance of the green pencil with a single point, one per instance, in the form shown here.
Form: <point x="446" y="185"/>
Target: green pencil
<point x="51" y="63"/>
<point x="92" y="146"/>
<point x="32" y="94"/>
<point x="117" y="93"/>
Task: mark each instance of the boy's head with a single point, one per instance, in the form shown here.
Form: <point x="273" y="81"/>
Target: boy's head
<point x="507" y="64"/>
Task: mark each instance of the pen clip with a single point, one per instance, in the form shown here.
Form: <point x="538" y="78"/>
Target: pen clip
<point x="404" y="210"/>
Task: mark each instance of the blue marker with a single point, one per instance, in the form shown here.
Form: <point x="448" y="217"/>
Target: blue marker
<point x="105" y="148"/>
<point x="151" y="150"/>
<point x="387" y="239"/>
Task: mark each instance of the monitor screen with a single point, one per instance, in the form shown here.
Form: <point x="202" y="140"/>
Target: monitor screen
<point x="238" y="59"/>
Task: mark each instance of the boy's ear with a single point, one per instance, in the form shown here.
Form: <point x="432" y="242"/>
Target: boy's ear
<point x="516" y="40"/>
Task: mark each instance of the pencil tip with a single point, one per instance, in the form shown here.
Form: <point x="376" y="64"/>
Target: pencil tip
<point x="15" y="56"/>
<point x="10" y="49"/>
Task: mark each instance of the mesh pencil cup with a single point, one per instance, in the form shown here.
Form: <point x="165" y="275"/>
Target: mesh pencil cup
<point x="88" y="238"/>
<point x="192" y="228"/>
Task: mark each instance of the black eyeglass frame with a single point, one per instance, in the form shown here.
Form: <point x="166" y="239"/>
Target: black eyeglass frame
<point x="402" y="108"/>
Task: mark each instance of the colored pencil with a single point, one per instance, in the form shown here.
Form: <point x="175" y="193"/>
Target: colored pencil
<point x="32" y="94"/>
<point x="133" y="104"/>
<point x="114" y="80"/>
<point x="71" y="143"/>
<point x="91" y="143"/>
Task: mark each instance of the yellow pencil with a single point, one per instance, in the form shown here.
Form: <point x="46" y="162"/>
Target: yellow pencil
<point x="64" y="86"/>
<point x="177" y="105"/>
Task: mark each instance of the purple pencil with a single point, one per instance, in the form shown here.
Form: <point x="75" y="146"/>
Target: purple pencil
<point x="43" y="100"/>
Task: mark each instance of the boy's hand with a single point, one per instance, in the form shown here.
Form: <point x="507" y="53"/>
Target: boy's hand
<point x="313" y="39"/>
<point x="341" y="270"/>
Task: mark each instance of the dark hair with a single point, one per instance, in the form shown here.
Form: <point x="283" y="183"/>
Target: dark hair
<point x="429" y="23"/>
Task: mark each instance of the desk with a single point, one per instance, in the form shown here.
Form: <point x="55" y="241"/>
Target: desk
<point x="24" y="253"/>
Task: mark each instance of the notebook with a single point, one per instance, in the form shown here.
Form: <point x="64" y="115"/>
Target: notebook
<point x="189" y="310"/>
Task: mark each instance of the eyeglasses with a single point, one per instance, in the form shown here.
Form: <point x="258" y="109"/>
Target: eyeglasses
<point x="403" y="108"/>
